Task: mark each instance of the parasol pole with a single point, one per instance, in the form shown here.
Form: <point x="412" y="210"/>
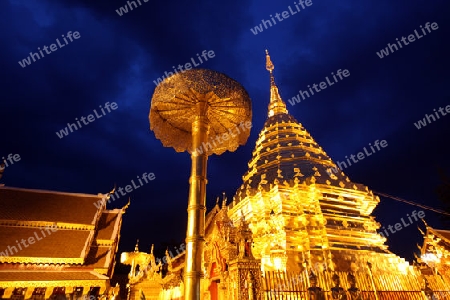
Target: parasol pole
<point x="197" y="204"/>
<point x="188" y="109"/>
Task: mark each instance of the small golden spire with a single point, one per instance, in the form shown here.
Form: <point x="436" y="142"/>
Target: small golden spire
<point x="276" y="105"/>
<point x="136" y="248"/>
<point x="224" y="200"/>
<point x="269" y="64"/>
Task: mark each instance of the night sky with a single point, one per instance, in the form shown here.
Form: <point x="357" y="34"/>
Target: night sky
<point x="117" y="59"/>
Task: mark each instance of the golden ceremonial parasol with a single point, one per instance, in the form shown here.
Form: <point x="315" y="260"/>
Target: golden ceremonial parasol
<point x="191" y="111"/>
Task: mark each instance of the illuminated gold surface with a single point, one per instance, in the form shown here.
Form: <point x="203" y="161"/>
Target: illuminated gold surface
<point x="55" y="283"/>
<point x="41" y="260"/>
<point x="196" y="211"/>
<point x="175" y="106"/>
<point x="47" y="266"/>
<point x="301" y="220"/>
<point x="435" y="252"/>
<point x="276" y="104"/>
<point x="300" y="214"/>
<point x="187" y="110"/>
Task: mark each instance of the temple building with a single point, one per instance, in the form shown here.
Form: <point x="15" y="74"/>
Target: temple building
<point x="293" y="230"/>
<point x="435" y="251"/>
<point x="57" y="245"/>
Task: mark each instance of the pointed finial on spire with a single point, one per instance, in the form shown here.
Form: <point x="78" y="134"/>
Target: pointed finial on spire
<point x="136" y="248"/>
<point x="151" y="249"/>
<point x="269" y="64"/>
<point x="108" y="195"/>
<point x="113" y="190"/>
<point x="276" y="105"/>
<point x="224" y="200"/>
<point x="126" y="205"/>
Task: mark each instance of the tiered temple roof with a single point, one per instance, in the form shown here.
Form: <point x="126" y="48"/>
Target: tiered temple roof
<point x="56" y="240"/>
<point x="318" y="213"/>
<point x="435" y="251"/>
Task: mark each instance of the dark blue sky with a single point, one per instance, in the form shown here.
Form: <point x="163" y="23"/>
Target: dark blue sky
<point x="117" y="58"/>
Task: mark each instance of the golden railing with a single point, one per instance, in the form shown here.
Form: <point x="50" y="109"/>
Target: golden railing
<point x="408" y="286"/>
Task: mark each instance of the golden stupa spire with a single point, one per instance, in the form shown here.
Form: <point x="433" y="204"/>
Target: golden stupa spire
<point x="276" y="105"/>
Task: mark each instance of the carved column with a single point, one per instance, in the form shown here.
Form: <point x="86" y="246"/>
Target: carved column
<point x="240" y="270"/>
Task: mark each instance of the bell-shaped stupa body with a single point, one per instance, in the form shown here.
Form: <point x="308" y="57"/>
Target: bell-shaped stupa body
<point x="303" y="211"/>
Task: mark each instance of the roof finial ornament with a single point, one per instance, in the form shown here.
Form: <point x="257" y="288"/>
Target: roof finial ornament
<point x="136" y="248"/>
<point x="113" y="190"/>
<point x="224" y="200"/>
<point x="108" y="195"/>
<point x="276" y="105"/>
<point x="126" y="205"/>
<point x="269" y="64"/>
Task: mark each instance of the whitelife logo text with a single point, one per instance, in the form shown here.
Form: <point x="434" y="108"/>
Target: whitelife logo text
<point x="358" y="157"/>
<point x="430" y="118"/>
<point x="11" y="250"/>
<point x="319" y="87"/>
<point x="220" y="139"/>
<point x="124" y="9"/>
<point x="187" y="66"/>
<point x="411" y="38"/>
<point x="71" y="36"/>
<point x="128" y="189"/>
<point x="281" y="17"/>
<point x="9" y="161"/>
<point x="86" y="120"/>
<point x="399" y="226"/>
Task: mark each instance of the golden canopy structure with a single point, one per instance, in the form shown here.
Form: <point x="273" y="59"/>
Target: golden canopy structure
<point x="199" y="94"/>
<point x="187" y="110"/>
